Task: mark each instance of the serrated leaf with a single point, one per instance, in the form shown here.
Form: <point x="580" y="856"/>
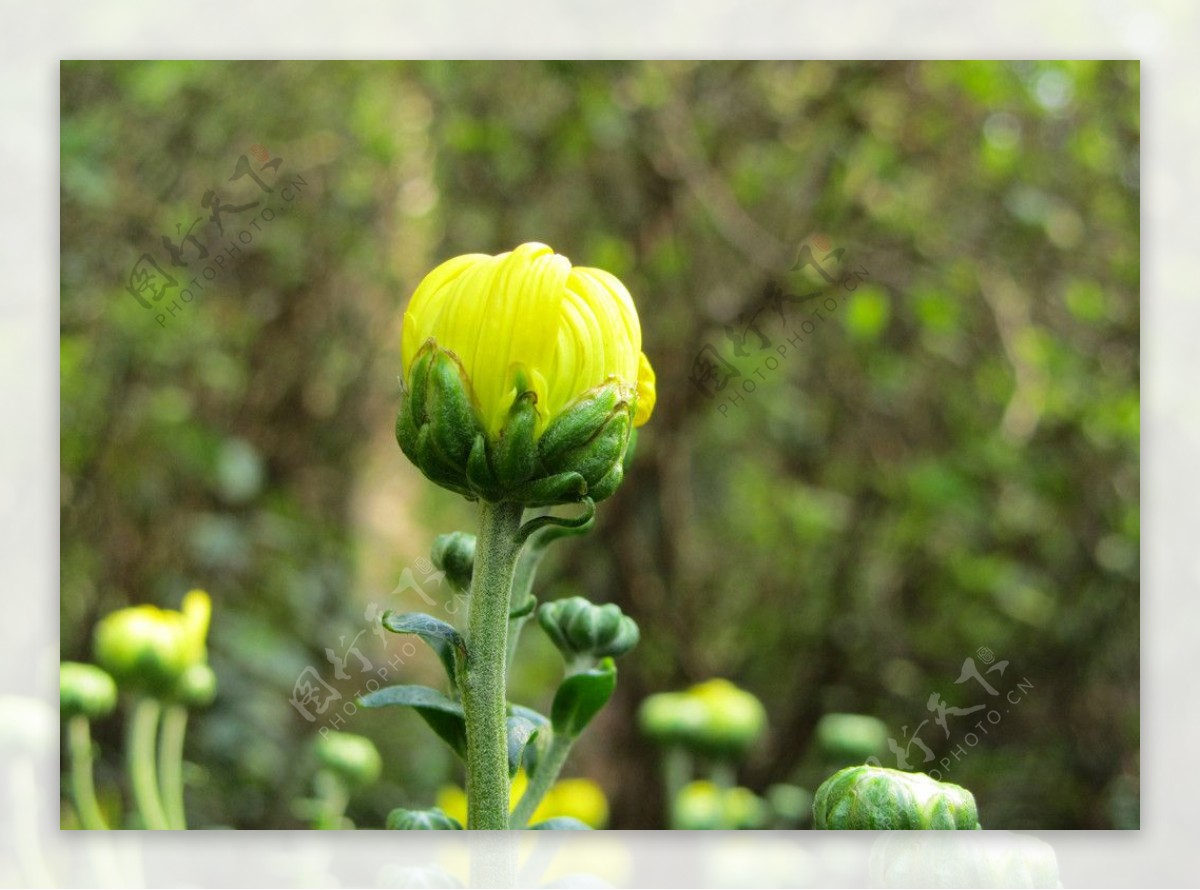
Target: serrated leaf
<point x="581" y="696"/>
<point x="561" y="823"/>
<point x="441" y="637"/>
<point x="521" y="731"/>
<point x="444" y="715"/>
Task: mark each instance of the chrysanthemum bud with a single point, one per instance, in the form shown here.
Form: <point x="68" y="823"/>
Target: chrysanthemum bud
<point x="578" y="628"/>
<point x="523" y="378"/>
<point x="713" y="718"/>
<point x="851" y="738"/>
<point x="85" y="689"/>
<point x="197" y="687"/>
<point x="148" y="649"/>
<point x="421" y="820"/>
<point x="354" y="758"/>
<point x="872" y="797"/>
<point x="454" y="554"/>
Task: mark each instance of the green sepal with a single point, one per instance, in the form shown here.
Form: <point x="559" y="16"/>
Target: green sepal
<point x="443" y="639"/>
<point x="521" y="732"/>
<point x="515" y="454"/>
<point x="575" y="427"/>
<point x="444" y="715"/>
<point x="451" y="415"/>
<point x="561" y="823"/>
<point x="605" y="450"/>
<point x="581" y="696"/>
<point x="608" y="483"/>
<point x="421" y="820"/>
<point x="480" y="477"/>
<point x="562" y="488"/>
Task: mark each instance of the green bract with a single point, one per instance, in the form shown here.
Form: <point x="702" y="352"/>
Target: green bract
<point x="578" y="628"/>
<point x="353" y="758"/>
<point x="579" y="454"/>
<point x="85" y="689"/>
<point x="872" y="797"/>
<point x="197" y="687"/>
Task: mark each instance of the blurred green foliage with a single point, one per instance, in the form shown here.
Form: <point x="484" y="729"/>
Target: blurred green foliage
<point x="947" y="461"/>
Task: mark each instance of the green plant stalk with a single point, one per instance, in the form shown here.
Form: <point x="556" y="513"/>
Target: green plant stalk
<point x="548" y="768"/>
<point x="332" y="798"/>
<point x="484" y="686"/>
<point x="83" y="787"/>
<point x="677" y="772"/>
<point x="143" y="727"/>
<point x="170" y="764"/>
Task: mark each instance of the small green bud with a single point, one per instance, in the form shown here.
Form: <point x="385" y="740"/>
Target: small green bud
<point x="354" y="758"/>
<point x="85" y="689"/>
<point x="579" y="628"/>
<point x="454" y="554"/>
<point x="851" y="738"/>
<point x="421" y="820"/>
<point x="735" y="719"/>
<point x="672" y="717"/>
<point x="699" y="806"/>
<point x="872" y="798"/>
<point x="197" y="687"/>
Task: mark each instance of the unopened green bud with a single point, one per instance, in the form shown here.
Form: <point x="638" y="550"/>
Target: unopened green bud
<point x="421" y="820"/>
<point x="699" y="806"/>
<point x="454" y="554"/>
<point x="197" y="687"/>
<point x="85" y="689"/>
<point x="735" y="719"/>
<point x="872" y="798"/>
<point x="851" y="738"/>
<point x="672" y="717"/>
<point x="579" y="628"/>
<point x="354" y="758"/>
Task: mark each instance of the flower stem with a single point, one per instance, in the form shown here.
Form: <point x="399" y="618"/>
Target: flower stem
<point x="83" y="787"/>
<point x="170" y="764"/>
<point x="543" y="780"/>
<point x="677" y="772"/>
<point x="140" y="751"/>
<point x="483" y="687"/>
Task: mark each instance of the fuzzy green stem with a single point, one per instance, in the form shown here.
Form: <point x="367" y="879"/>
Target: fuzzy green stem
<point x="548" y="768"/>
<point x="143" y="727"/>
<point x="83" y="786"/>
<point x="483" y="688"/>
<point x="170" y="764"/>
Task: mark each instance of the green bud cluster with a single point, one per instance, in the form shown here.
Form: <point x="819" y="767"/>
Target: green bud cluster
<point x="870" y="798"/>
<point x="713" y="718"/>
<point x="353" y="758"/>
<point x="454" y="554"/>
<point x="579" y="454"/>
<point x="85" y="689"/>
<point x="421" y="820"/>
<point x="579" y="628"/>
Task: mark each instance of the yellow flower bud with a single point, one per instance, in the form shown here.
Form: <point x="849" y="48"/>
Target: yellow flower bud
<point x="523" y="376"/>
<point x="149" y="649"/>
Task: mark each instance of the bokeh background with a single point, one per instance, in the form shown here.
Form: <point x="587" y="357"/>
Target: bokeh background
<point x="947" y="462"/>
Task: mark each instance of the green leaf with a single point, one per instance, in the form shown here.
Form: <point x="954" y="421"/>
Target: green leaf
<point x="521" y="731"/>
<point x="443" y="639"/>
<point x="561" y="823"/>
<point x="537" y="742"/>
<point x="581" y="696"/>
<point x="444" y="715"/>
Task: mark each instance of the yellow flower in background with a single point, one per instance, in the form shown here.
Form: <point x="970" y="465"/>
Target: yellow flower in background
<point x="523" y="378"/>
<point x="528" y="319"/>
<point x="150" y="648"/>
<point x="580" y="799"/>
